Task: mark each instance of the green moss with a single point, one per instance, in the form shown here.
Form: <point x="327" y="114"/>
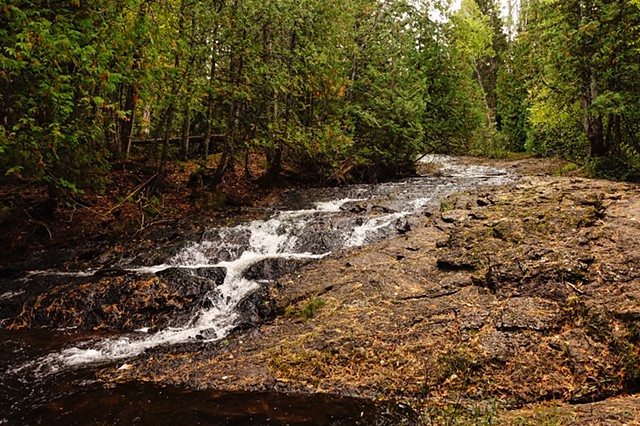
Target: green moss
<point x="546" y="416"/>
<point x="446" y="205"/>
<point x="307" y="311"/>
<point x="471" y="413"/>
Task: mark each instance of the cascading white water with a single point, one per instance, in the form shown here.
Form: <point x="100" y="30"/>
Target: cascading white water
<point x="243" y="246"/>
<point x="284" y="235"/>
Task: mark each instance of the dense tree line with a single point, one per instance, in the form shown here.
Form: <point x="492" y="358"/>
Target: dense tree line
<point x="343" y="90"/>
<point x="571" y="83"/>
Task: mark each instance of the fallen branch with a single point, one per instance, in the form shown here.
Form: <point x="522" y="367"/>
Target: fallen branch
<point x="150" y="224"/>
<point x="577" y="290"/>
<point x="44" y="226"/>
<point x="171" y="140"/>
<point x="132" y="194"/>
<point x="420" y="158"/>
<point x="37" y="222"/>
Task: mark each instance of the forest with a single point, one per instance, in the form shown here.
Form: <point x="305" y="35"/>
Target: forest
<point x="216" y="210"/>
<point x="337" y="91"/>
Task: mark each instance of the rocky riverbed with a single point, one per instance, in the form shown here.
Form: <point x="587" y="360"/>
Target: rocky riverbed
<point x="517" y="304"/>
<point x="504" y="298"/>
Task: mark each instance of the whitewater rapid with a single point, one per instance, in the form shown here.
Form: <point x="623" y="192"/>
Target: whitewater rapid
<point x="285" y="234"/>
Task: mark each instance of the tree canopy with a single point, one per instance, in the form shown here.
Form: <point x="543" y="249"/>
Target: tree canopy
<point x="571" y="84"/>
<point x="342" y="90"/>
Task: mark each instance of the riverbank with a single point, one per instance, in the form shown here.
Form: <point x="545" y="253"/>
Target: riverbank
<point x="517" y="302"/>
<point x="132" y="209"/>
<point x="502" y="300"/>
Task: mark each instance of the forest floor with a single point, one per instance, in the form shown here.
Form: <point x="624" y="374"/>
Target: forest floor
<point x="130" y="208"/>
<point x="515" y="305"/>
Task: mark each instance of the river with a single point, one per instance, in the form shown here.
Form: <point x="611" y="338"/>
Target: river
<point x="48" y="375"/>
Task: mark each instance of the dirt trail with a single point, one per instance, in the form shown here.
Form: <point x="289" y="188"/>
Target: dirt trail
<point x="506" y="298"/>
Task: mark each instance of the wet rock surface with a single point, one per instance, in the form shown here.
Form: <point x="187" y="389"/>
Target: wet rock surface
<point x="271" y="269"/>
<point x="120" y="300"/>
<point x="525" y="294"/>
<point x="516" y="295"/>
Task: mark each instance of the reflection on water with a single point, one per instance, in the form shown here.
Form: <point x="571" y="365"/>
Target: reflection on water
<point x="144" y="404"/>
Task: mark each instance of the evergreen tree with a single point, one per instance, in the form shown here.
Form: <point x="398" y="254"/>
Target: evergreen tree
<point x="342" y="90"/>
<point x="586" y="70"/>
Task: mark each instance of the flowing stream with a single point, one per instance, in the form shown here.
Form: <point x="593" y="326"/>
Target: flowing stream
<point x="307" y="225"/>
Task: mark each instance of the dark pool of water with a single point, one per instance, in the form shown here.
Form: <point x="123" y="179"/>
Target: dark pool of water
<point x="74" y="398"/>
<point x="145" y="404"/>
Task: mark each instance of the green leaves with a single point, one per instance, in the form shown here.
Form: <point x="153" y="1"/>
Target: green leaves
<point x="587" y="68"/>
<point x="472" y="31"/>
<point x="325" y="86"/>
<point x="54" y="59"/>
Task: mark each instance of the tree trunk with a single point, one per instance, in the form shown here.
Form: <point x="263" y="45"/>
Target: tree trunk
<point x="186" y="127"/>
<point x="595" y="134"/>
<point x="613" y="138"/>
<point x="125" y="124"/>
<point x="274" y="153"/>
<point x="222" y="167"/>
<point x="236" y="69"/>
<point x="162" y="167"/>
<point x="206" y="143"/>
<point x="274" y="163"/>
<point x="593" y="125"/>
<point x="485" y="98"/>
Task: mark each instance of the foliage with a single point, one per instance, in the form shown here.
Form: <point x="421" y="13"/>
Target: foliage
<point x="341" y="90"/>
<point x="488" y="142"/>
<point x="512" y="90"/>
<point x="472" y="31"/>
<point x="615" y="167"/>
<point x="56" y="68"/>
<point x="582" y="94"/>
<point x="479" y="42"/>
<point x="349" y="90"/>
<point x="568" y="168"/>
<point x="386" y="92"/>
<point x="554" y="132"/>
<point x="454" y="106"/>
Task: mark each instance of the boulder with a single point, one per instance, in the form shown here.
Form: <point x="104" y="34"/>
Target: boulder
<point x="186" y="282"/>
<point x="273" y="268"/>
<point x="122" y="302"/>
<point x="453" y="216"/>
